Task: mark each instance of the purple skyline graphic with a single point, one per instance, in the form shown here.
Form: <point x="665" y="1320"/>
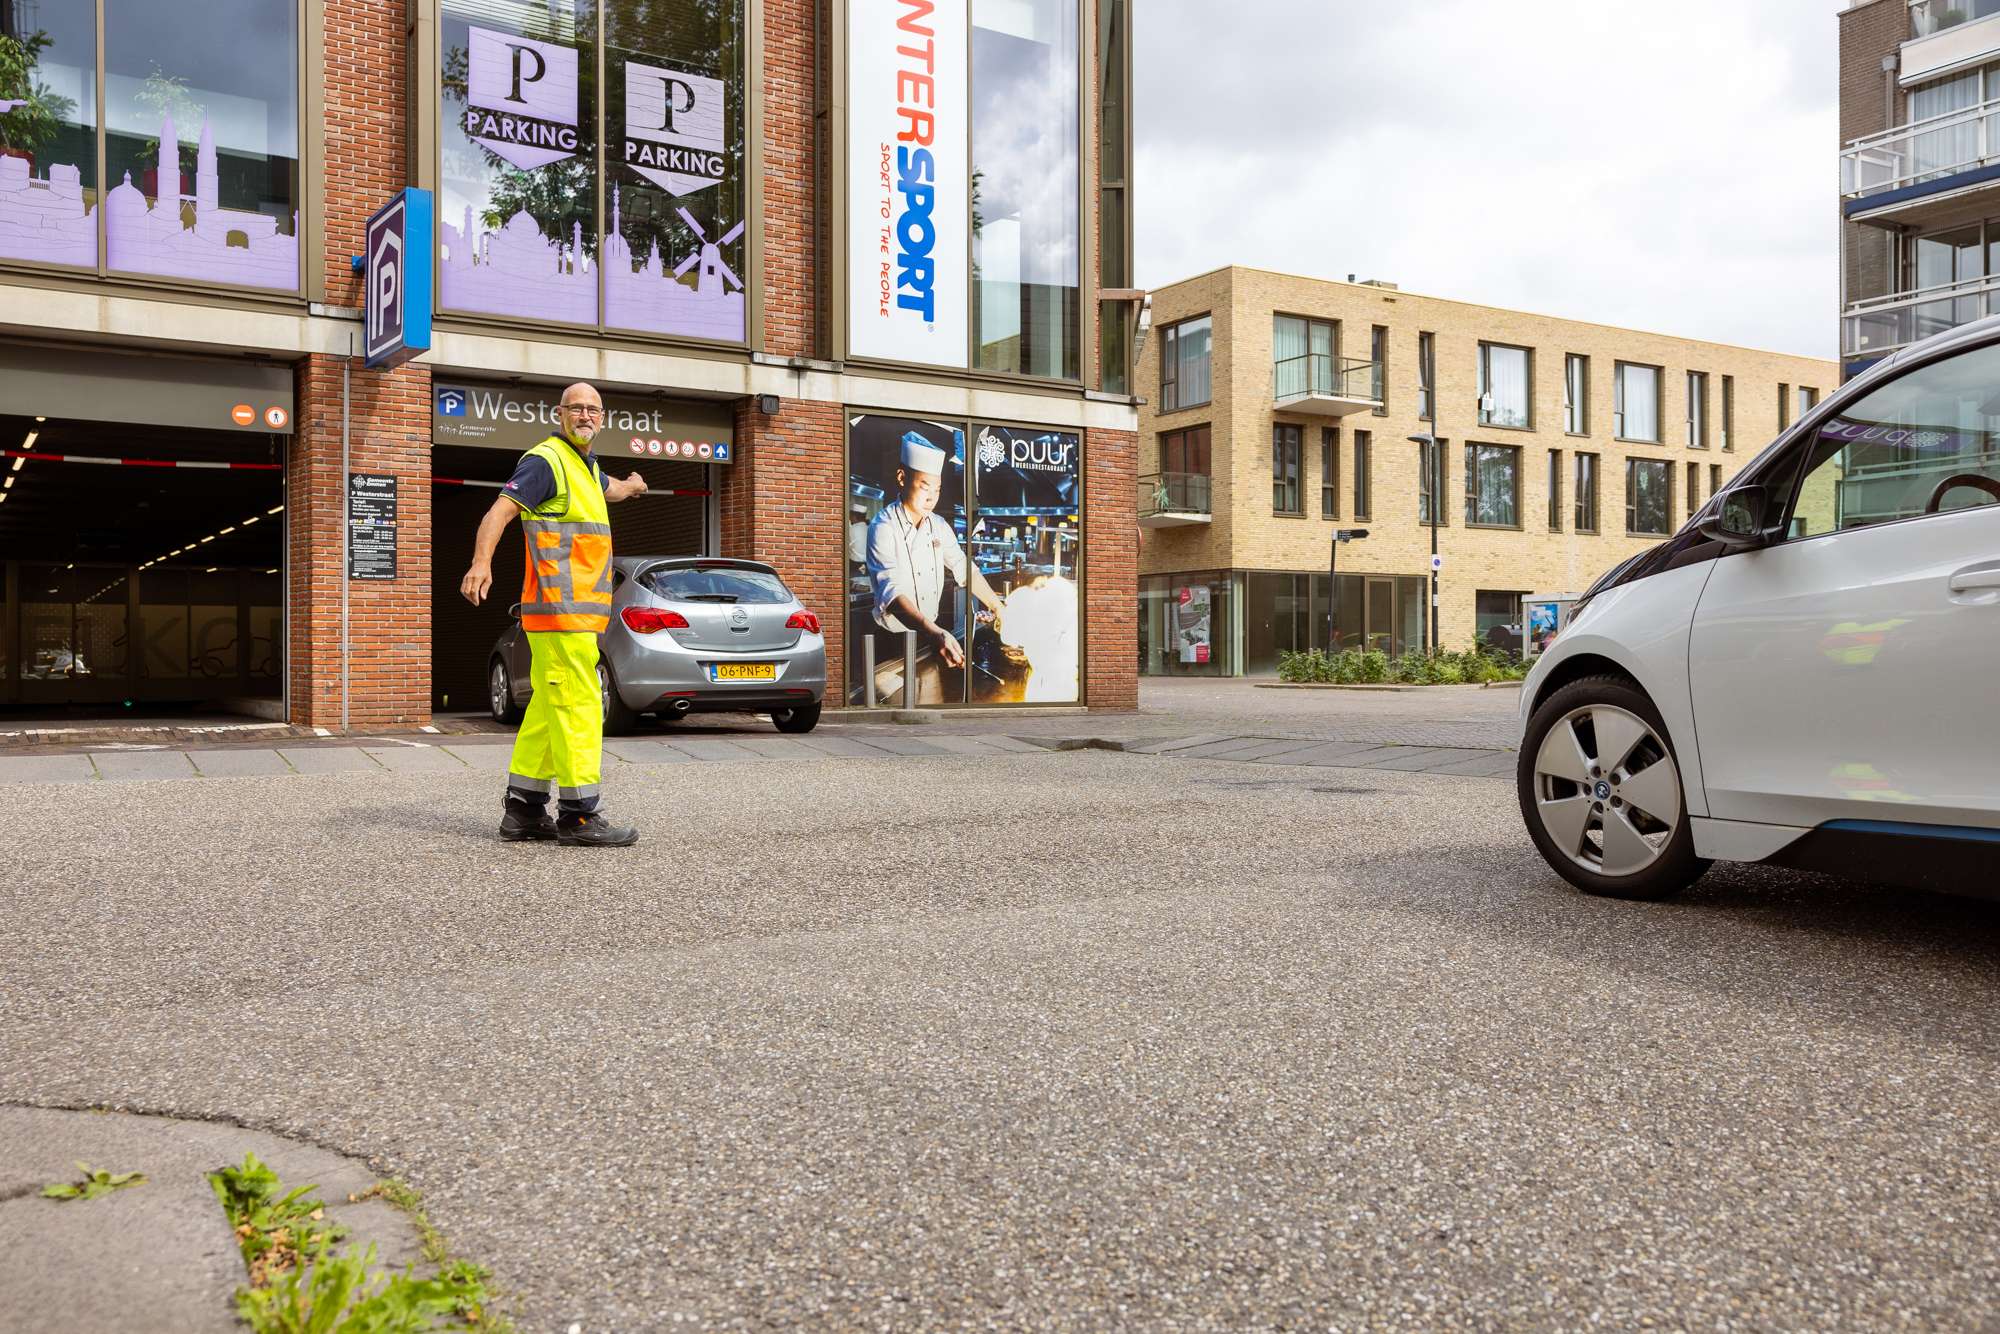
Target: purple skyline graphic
<point x="518" y="271"/>
<point x="177" y="236"/>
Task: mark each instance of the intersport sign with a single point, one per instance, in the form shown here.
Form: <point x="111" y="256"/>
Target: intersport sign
<point x="908" y="184"/>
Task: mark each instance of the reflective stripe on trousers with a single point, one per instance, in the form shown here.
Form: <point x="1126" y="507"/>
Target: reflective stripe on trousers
<point x="561" y="741"/>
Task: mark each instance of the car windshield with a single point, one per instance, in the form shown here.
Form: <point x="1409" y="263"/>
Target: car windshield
<point x="717" y="583"/>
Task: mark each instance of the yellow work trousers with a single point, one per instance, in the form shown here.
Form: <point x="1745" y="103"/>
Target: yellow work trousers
<point x="560" y="747"/>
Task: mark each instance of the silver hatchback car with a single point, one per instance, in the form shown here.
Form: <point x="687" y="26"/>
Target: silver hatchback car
<point x="689" y="634"/>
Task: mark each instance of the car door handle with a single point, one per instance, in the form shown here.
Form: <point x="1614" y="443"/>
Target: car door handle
<point x="1972" y="578"/>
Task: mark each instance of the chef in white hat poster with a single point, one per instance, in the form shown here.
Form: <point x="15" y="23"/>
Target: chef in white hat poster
<point x="911" y="548"/>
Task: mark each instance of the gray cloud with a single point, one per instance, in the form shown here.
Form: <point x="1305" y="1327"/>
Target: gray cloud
<point x="1669" y="167"/>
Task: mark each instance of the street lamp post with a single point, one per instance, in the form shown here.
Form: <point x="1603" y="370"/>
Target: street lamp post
<point x="1434" y="459"/>
<point x="1333" y="585"/>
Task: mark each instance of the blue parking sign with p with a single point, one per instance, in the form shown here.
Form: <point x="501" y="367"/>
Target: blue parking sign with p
<point x="398" y="273"/>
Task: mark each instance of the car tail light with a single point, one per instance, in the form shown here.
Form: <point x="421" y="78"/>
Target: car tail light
<point x="803" y="620"/>
<point x="649" y="620"/>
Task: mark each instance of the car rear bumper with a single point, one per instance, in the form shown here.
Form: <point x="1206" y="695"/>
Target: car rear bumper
<point x="655" y="673"/>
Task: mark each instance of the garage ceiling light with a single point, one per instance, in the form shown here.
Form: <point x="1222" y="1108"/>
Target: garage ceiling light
<point x="206" y="540"/>
<point x="209" y="570"/>
<point x="275" y="509"/>
<point x="41" y="419"/>
<point x="225" y="532"/>
<point x="252" y="519"/>
<point x="29" y="443"/>
<point x="18" y="463"/>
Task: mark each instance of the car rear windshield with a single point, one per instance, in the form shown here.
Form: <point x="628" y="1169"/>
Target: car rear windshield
<point x="717" y="583"/>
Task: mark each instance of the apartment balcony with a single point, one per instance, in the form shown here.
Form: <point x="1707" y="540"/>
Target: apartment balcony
<point x="1923" y="170"/>
<point x="1877" y="326"/>
<point x="1946" y="36"/>
<point x="1173" y="499"/>
<point x="1317" y="385"/>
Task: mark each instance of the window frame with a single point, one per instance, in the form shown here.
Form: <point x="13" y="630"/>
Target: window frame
<point x="1333" y="349"/>
<point x="1329" y="472"/>
<point x="1555" y="488"/>
<point x="1728" y="414"/>
<point x="1486" y="420"/>
<point x="1576" y="394"/>
<point x="1633" y="462"/>
<point x="1692" y="485"/>
<point x="1697" y="409"/>
<point x="1378" y="356"/>
<point x="1170" y="337"/>
<point x="1279" y="477"/>
<point x="1181" y="434"/>
<point x="1591" y="495"/>
<point x="1471" y="469"/>
<point x="1363" y="480"/>
<point x="1427" y="377"/>
<point x="1618" y="409"/>
<point x="1442" y="445"/>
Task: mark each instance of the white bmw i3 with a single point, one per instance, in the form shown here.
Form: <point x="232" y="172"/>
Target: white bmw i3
<point x="1808" y="674"/>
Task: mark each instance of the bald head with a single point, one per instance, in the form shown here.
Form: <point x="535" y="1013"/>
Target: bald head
<point x="582" y="412"/>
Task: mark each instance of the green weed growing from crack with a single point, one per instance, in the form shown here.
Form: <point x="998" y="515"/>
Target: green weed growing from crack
<point x="93" y="1184"/>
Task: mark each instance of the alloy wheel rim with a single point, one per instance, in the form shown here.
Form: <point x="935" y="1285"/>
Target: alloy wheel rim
<point x="1607" y="790"/>
<point x="604" y="690"/>
<point x="499" y="684"/>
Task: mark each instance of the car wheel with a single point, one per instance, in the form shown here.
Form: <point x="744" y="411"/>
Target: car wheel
<point x="500" y="686"/>
<point x="1601" y="792"/>
<point x="618" y="720"/>
<point x="802" y="718"/>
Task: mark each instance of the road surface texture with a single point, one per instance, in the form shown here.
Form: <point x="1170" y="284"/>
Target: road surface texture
<point x="1064" y="1040"/>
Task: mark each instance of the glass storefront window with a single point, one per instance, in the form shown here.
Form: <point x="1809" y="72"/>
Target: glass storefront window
<point x="48" y="136"/>
<point x="201" y="140"/>
<point x="517" y="221"/>
<point x="1185" y="624"/>
<point x="674" y="251"/>
<point x="1025" y="245"/>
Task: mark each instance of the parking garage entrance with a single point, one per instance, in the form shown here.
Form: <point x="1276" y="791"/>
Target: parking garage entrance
<point x="142" y="503"/>
<point x="478" y="433"/>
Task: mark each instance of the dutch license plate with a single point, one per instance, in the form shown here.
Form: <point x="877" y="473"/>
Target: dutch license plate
<point x="746" y="671"/>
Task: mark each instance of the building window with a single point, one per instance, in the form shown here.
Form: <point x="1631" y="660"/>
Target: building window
<point x="1649" y="497"/>
<point x="1714" y="479"/>
<point x="1285" y="469"/>
<point x="1497" y="618"/>
<point x="1183" y="484"/>
<point x="201" y="152"/>
<point x="1378" y="368"/>
<point x="1433" y="478"/>
<point x="1493" y="486"/>
<point x="1114" y="153"/>
<point x="1362" y="463"/>
<point x="1693" y="487"/>
<point x="1586" y="493"/>
<point x="1555" y="490"/>
<point x="1728" y="412"/>
<point x="529" y="141"/>
<point x="1427" y="377"/>
<point x="1302" y="356"/>
<point x="1504" y="385"/>
<point x="1697" y="418"/>
<point x="1024" y="160"/>
<point x="1329" y="472"/>
<point x="1184" y="364"/>
<point x="1638" y="407"/>
<point x="1576" y="394"/>
<point x="1784" y="405"/>
<point x="1808" y="399"/>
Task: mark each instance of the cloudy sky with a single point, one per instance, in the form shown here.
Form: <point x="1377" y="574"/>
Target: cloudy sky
<point x="1664" y="166"/>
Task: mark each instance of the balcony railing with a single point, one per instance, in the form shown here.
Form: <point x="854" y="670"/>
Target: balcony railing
<point x="1174" y="497"/>
<point x="1880" y="325"/>
<point x="1316" y="381"/>
<point x="1930" y="17"/>
<point x="1923" y="150"/>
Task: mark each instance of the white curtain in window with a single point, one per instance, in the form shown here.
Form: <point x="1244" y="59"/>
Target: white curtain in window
<point x="1639" y="390"/>
<point x="1193" y="341"/>
<point x="1288" y="355"/>
<point x="1507" y="383"/>
<point x="1953" y="146"/>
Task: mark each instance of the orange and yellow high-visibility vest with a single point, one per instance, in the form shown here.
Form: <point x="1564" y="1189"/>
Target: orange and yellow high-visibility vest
<point x="566" y="584"/>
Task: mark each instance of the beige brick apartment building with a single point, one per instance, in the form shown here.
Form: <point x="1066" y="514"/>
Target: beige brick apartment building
<point x="1280" y="409"/>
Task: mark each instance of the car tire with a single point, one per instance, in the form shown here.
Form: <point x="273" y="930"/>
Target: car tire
<point x="618" y="719"/>
<point x="500" y="693"/>
<point x="1618" y="827"/>
<point x="800" y="718"/>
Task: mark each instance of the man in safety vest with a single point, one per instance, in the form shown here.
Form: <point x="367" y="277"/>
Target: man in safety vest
<point x="559" y="493"/>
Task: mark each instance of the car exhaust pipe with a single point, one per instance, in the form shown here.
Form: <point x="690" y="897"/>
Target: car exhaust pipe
<point x="681" y="706"/>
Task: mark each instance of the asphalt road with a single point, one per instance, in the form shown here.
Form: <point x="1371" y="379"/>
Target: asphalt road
<point x="1071" y="1040"/>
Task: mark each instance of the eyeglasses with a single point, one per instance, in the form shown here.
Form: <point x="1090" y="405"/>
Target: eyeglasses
<point x="583" y="410"/>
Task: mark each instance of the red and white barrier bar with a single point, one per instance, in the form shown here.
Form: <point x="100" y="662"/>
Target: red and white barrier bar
<point x="42" y="456"/>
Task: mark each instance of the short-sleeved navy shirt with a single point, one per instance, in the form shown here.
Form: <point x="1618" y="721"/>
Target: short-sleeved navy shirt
<point x="534" y="482"/>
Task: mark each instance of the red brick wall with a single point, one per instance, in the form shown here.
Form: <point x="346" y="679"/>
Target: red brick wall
<point x="790" y="177"/>
<point x="783" y="503"/>
<point x="389" y="621"/>
<point x="365" y="155"/>
<point x="1111" y="543"/>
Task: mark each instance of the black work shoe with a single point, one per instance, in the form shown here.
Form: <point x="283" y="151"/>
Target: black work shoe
<point x="520" y="825"/>
<point x="594" y="831"/>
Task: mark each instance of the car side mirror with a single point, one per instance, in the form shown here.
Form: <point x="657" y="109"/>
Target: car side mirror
<point x="1738" y="521"/>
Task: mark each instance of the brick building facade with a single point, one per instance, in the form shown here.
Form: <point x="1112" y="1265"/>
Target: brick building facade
<point x="747" y="322"/>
